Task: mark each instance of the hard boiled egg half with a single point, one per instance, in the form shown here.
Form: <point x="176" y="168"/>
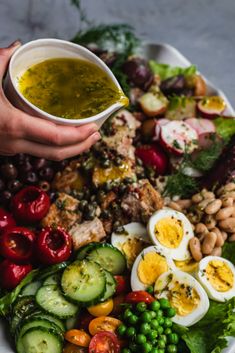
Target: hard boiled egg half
<point x="185" y="295"/>
<point x="148" y="266"/>
<point x="171" y="231"/>
<point x="131" y="240"/>
<point x="217" y="276"/>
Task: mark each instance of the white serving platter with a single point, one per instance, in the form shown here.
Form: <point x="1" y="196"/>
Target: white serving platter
<point x="166" y="54"/>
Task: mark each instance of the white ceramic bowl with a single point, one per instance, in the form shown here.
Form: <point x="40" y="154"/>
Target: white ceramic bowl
<point x="42" y="49"/>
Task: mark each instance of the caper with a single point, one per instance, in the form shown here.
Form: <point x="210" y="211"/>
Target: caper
<point x="79" y="195"/>
<point x="105" y="214"/>
<point x="128" y="180"/>
<point x="122" y="188"/>
<point x="108" y="186"/>
<point x="105" y="163"/>
<point x="82" y="204"/>
<point x="118" y="161"/>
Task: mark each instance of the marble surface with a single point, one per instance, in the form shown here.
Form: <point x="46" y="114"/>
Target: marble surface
<point x="203" y="30"/>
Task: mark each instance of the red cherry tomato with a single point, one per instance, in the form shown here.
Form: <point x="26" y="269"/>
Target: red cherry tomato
<point x="154" y="157"/>
<point x="104" y="342"/>
<point x="53" y="245"/>
<point x="17" y="244"/>
<point x="12" y="274"/>
<point x="30" y="204"/>
<point x="6" y="220"/>
<point x="123" y="284"/>
<point x="139" y="296"/>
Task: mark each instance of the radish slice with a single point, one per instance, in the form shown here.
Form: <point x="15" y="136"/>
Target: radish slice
<point x="202" y="126"/>
<point x="178" y="137"/>
<point x="211" y="107"/>
<point x="158" y="125"/>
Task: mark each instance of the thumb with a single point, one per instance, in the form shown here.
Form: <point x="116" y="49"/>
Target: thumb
<point x="5" y="55"/>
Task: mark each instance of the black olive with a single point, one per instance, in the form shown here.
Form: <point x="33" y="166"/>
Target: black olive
<point x="20" y="158"/>
<point x="30" y="178"/>
<point x="138" y="72"/>
<point x="173" y="84"/>
<point x="53" y="196"/>
<point x="47" y="173"/>
<point x="2" y="185"/>
<point x="39" y="163"/>
<point x="5" y="197"/>
<point x="25" y="167"/>
<point x="8" y="171"/>
<point x="14" y="186"/>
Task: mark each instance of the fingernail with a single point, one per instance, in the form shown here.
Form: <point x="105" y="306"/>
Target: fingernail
<point x="96" y="136"/>
<point x="16" y="43"/>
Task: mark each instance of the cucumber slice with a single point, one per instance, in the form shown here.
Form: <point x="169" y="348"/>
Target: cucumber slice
<point x="83" y="281"/>
<point x="31" y="288"/>
<point x="53" y="279"/>
<point x="108" y="257"/>
<point x="39" y="340"/>
<point x="22" y="307"/>
<point x="52" y="301"/>
<point x="48" y="317"/>
<point x="84" y="250"/>
<point x="110" y="286"/>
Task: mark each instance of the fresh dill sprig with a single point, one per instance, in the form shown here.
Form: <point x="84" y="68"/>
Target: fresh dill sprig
<point x="207" y="158"/>
<point x="179" y="184"/>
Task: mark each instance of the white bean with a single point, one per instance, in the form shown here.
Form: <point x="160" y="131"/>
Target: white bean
<point x="224" y="213"/>
<point x="213" y="206"/>
<point x="209" y="243"/>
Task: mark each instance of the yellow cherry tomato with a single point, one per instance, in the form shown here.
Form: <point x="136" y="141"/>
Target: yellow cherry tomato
<point x="102" y="309"/>
<point x="72" y="348"/>
<point x="78" y="337"/>
<point x="103" y="323"/>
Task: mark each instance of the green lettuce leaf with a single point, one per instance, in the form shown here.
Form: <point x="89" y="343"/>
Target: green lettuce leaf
<point x="165" y="71"/>
<point x="209" y="334"/>
<point x="229" y="251"/>
<point x="225" y="127"/>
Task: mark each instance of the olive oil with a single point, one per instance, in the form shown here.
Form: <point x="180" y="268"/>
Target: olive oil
<point x="69" y="88"/>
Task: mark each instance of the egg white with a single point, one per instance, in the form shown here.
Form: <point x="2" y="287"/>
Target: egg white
<point x="136" y="284"/>
<point x="181" y="252"/>
<point x="135" y="230"/>
<point x="211" y="291"/>
<point x="166" y="280"/>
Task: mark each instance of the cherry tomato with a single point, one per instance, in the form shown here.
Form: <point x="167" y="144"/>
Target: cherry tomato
<point x="12" y="274"/>
<point x="139" y="296"/>
<point x="72" y="348"/>
<point x="17" y="244"/>
<point x="30" y="204"/>
<point x="101" y="309"/>
<point x="103" y="323"/>
<point x="104" y="342"/>
<point x="6" y="220"/>
<point x="78" y="337"/>
<point x="154" y="157"/>
<point x="53" y="245"/>
<point x="123" y="284"/>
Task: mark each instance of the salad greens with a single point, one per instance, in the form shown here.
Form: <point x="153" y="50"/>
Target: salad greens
<point x="166" y="71"/>
<point x="8" y="299"/>
<point x="229" y="252"/>
<point x="225" y="127"/>
<point x="209" y="334"/>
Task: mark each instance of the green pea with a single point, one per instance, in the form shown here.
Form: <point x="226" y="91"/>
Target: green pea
<point x="171" y="348"/>
<point x="150" y="289"/>
<point x="146" y="316"/>
<point x="152" y="313"/>
<point x="141" y="307"/>
<point x="121" y="330"/>
<point x="147" y="347"/>
<point x="167" y="331"/>
<point x="159" y="313"/>
<point x="161" y="320"/>
<point x="133" y="347"/>
<point x="127" y="314"/>
<point x="167" y="322"/>
<point x="160" y="330"/>
<point x="133" y="319"/>
<point x="155" y="306"/>
<point x="130" y="332"/>
<point x="140" y="338"/>
<point x="125" y="350"/>
<point x="154" y="350"/>
<point x="170" y="312"/>
<point x="161" y="343"/>
<point x="164" y="303"/>
<point x="154" y="324"/>
<point x="173" y="338"/>
<point x="161" y="351"/>
<point x="163" y="337"/>
<point x="145" y="328"/>
<point x="152" y="335"/>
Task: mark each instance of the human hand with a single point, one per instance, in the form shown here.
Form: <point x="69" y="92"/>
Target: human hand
<point x="23" y="133"/>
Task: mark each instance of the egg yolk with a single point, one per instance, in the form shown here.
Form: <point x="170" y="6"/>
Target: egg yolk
<point x="183" y="298"/>
<point x="151" y="267"/>
<point x="169" y="232"/>
<point x="219" y="275"/>
<point x="187" y="265"/>
<point x="132" y="247"/>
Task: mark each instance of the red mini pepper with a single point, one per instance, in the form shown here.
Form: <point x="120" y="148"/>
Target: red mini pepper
<point x="139" y="296"/>
<point x="53" y="245"/>
<point x="12" y="274"/>
<point x="6" y="220"/>
<point x="30" y="204"/>
<point x="17" y="244"/>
